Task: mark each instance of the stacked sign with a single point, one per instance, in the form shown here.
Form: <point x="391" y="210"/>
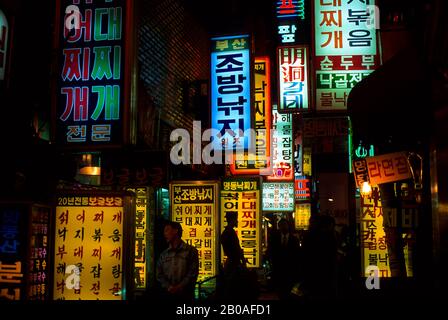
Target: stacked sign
<point x="194" y="205"/>
<point x="230" y="92"/>
<point x="243" y="197"/>
<point x="346" y="50"/>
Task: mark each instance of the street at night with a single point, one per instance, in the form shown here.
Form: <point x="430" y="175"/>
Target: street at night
<point x="224" y="159"/>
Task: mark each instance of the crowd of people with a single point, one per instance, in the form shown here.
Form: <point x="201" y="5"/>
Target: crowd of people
<point x="305" y="266"/>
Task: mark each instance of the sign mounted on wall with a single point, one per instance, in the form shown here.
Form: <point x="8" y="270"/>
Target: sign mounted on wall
<point x="230" y="92"/>
<point x="94" y="75"/>
<point x="259" y="162"/>
<point x="346" y="50"/>
<point x="293" y="78"/>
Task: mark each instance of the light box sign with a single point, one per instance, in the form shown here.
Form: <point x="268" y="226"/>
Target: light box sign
<point x="231" y="92"/>
<point x="278" y="196"/>
<point x="38" y="257"/>
<point x="91" y="104"/>
<point x="346" y="51"/>
<point x="292" y="21"/>
<point x="141" y="240"/>
<point x="302" y="188"/>
<point x="293" y="78"/>
<point x="260" y="161"/>
<point x="344" y="27"/>
<point x="282" y="147"/>
<point x="389" y="167"/>
<point x="194" y="204"/>
<point x="13" y="251"/>
<point x="89" y="235"/>
<point x="302" y="215"/>
<point x="373" y="238"/>
<point x="4" y="29"/>
<point x="244" y="197"/>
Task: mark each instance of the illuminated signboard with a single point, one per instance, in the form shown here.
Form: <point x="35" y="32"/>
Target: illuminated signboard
<point x="38" y="257"/>
<point x="230" y="92"/>
<point x="344" y="27"/>
<point x="12" y="251"/>
<point x="293" y="78"/>
<point x="373" y="238"/>
<point x="302" y="215"/>
<point x="302" y="188"/>
<point x="260" y="161"/>
<point x="3" y="44"/>
<point x="278" y="196"/>
<point x="346" y="52"/>
<point x="292" y="22"/>
<point x="89" y="235"/>
<point x="307" y="154"/>
<point x="91" y="102"/>
<point x="388" y="168"/>
<point x="141" y="230"/>
<point x="243" y="196"/>
<point x="194" y="204"/>
<point x="282" y="147"/>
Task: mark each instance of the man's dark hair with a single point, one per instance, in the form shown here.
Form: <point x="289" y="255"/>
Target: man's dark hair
<point x="175" y="225"/>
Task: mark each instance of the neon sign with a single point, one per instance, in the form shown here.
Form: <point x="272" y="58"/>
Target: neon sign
<point x="91" y="102"/>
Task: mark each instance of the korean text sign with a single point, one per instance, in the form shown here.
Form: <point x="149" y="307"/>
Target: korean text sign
<point x="278" y="196"/>
<point x="231" y="92"/>
<point x="346" y="52"/>
<point x="91" y="104"/>
<point x="244" y="197"/>
<point x="282" y="147"/>
<point x="292" y="21"/>
<point x="373" y="238"/>
<point x="12" y="251"/>
<point x="293" y="78"/>
<point x="194" y="205"/>
<point x="302" y="216"/>
<point x="388" y="168"/>
<point x="89" y="235"/>
<point x="141" y="230"/>
<point x="260" y="161"/>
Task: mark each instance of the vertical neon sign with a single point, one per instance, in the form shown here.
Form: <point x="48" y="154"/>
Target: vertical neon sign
<point x="91" y="99"/>
<point x="230" y="92"/>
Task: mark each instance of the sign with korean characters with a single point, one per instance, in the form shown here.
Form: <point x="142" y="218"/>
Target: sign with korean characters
<point x="89" y="235"/>
<point x="278" y="196"/>
<point x="346" y="51"/>
<point x="302" y="215"/>
<point x="380" y="169"/>
<point x="231" y="92"/>
<point x="12" y="251"/>
<point x="194" y="204"/>
<point x="142" y="204"/>
<point x="38" y="257"/>
<point x="92" y="106"/>
<point x="293" y="78"/>
<point x="282" y="147"/>
<point x="373" y="238"/>
<point x="344" y="27"/>
<point x="243" y="195"/>
<point x="259" y="162"/>
<point x="292" y="21"/>
<point x="4" y="29"/>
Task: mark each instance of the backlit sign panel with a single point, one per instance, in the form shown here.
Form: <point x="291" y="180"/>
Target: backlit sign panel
<point x="230" y="92"/>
